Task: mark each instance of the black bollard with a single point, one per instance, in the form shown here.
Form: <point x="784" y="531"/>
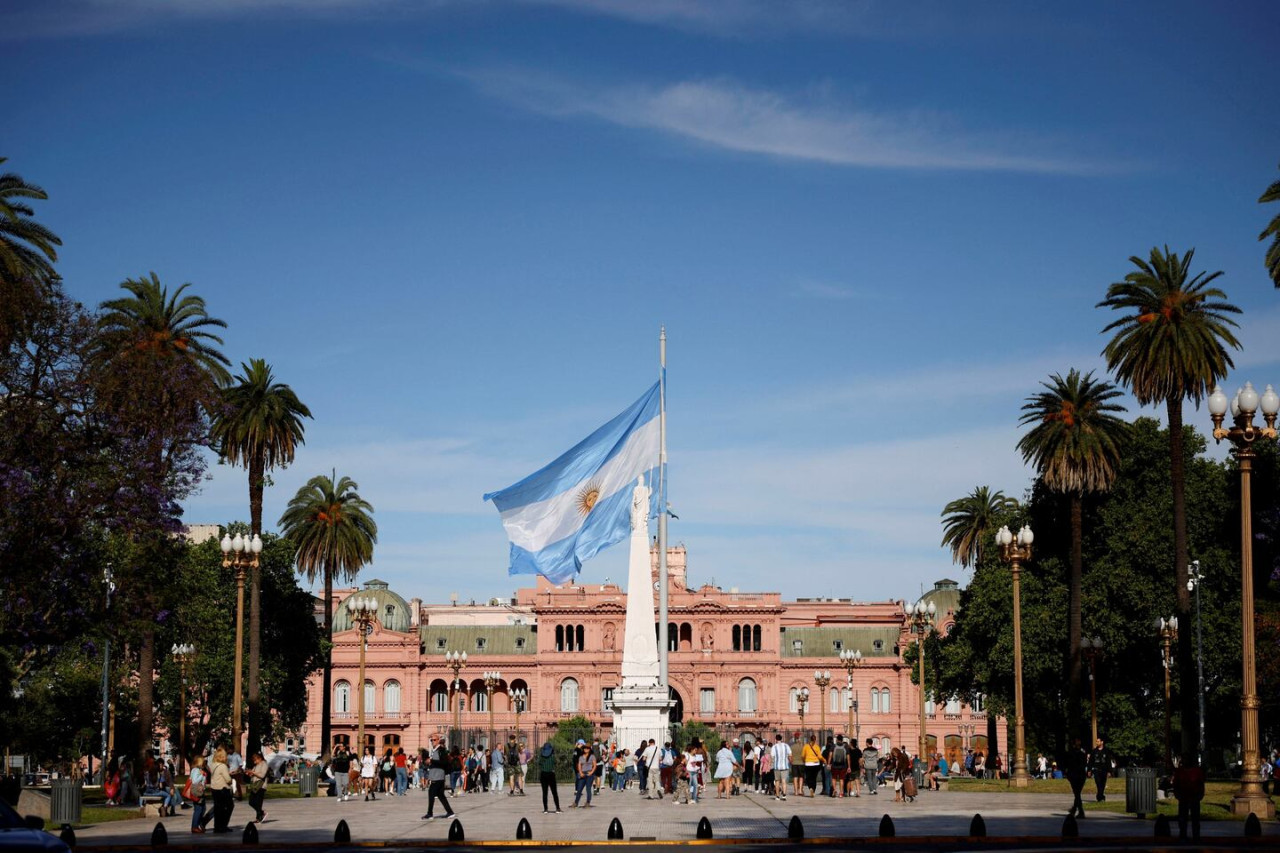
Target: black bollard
<point x="524" y="832"/>
<point x="1070" y="829"/>
<point x="1252" y="827"/>
<point x="250" y="834"/>
<point x="159" y="836"/>
<point x="1162" y="826"/>
<point x="68" y="835"/>
<point x="886" y="827"/>
<point x="977" y="827"/>
<point x="704" y="828"/>
<point x="342" y="835"/>
<point x="615" y="830"/>
<point x="795" y="829"/>
<point x="455" y="831"/>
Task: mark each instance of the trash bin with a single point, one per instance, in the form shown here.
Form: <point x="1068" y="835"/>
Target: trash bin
<point x="309" y="778"/>
<point x="66" y="796"/>
<point x="1140" y="790"/>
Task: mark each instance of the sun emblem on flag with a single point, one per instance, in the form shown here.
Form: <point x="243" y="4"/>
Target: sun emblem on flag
<point x="587" y="497"/>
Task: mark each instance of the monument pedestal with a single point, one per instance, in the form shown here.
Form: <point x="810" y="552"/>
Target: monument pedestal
<point x="640" y="713"/>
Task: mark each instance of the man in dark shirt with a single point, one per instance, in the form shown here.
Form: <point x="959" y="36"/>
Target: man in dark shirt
<point x="1075" y="768"/>
<point x="341" y="768"/>
<point x="1100" y="767"/>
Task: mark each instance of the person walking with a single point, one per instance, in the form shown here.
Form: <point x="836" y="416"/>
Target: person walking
<point x="871" y="765"/>
<point x="437" y="761"/>
<point x="223" y="801"/>
<point x="1100" y="764"/>
<point x="497" y="770"/>
<point x="368" y="773"/>
<point x="681" y="774"/>
<point x="811" y="757"/>
<point x="402" y="773"/>
<point x="341" y="767"/>
<point x="696" y="761"/>
<point x="257" y="787"/>
<point x="1076" y="769"/>
<point x="780" y="757"/>
<point x="584" y="767"/>
<point x="725" y="765"/>
<point x="839" y="764"/>
<point x="196" y="782"/>
<point x="653" y="790"/>
<point x="547" y="775"/>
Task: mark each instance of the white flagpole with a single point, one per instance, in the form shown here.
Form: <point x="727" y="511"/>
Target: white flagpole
<point x="664" y="640"/>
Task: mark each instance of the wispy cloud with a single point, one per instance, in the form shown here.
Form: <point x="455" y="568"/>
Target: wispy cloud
<point x="722" y="113"/>
<point x="814" y="289"/>
<point x="735" y="17"/>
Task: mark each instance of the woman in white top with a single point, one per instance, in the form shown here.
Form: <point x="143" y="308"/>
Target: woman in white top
<point x="694" y="759"/>
<point x="368" y="773"/>
<point x="725" y="764"/>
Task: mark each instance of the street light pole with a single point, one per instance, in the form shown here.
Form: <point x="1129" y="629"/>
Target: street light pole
<point x="1193" y="581"/>
<point x="242" y="554"/>
<point x="456" y="661"/>
<point x="518" y="697"/>
<point x="1092" y="650"/>
<point x="851" y="658"/>
<point x="1250" y="797"/>
<point x="921" y="620"/>
<point x="1168" y="630"/>
<point x="183" y="654"/>
<point x="1015" y="552"/>
<point x="106" y="678"/>
<point x="363" y="610"/>
<point x="821" y="680"/>
<point x="491" y="681"/>
<point x="802" y="703"/>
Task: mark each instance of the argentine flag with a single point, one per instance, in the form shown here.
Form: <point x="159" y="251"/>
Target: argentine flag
<point x="560" y="516"/>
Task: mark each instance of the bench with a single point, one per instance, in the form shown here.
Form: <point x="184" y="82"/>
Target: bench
<point x="151" y="805"/>
<point x="943" y="782"/>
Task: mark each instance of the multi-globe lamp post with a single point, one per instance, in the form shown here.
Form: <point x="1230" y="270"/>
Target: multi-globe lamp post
<point x="822" y="680"/>
<point x="183" y="655"/>
<point x="456" y="661"/>
<point x="1016" y="550"/>
<point x="363" y="610"/>
<point x="1092" y="651"/>
<point x="921" y="618"/>
<point x="802" y="704"/>
<point x="519" y="697"/>
<point x="1168" y="631"/>
<point x="491" y="682"/>
<point x="852" y="659"/>
<point x="1242" y="434"/>
<point x="240" y="553"/>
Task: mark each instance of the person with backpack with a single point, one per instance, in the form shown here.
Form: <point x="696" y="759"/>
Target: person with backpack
<point x="840" y="766"/>
<point x="512" y="764"/>
<point x="437" y="761"/>
<point x="547" y="775"/>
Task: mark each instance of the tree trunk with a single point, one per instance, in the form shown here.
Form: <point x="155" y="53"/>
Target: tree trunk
<point x="1073" y="617"/>
<point x="326" y="701"/>
<point x="256" y="477"/>
<point x="1187" y="689"/>
<point x="146" y="693"/>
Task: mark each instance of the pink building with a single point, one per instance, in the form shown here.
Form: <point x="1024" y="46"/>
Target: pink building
<point x="737" y="662"/>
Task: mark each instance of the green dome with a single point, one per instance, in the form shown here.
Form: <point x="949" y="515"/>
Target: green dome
<point x="945" y="596"/>
<point x="393" y="611"/>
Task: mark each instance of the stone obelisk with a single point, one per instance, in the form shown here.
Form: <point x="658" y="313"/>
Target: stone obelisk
<point x="640" y="705"/>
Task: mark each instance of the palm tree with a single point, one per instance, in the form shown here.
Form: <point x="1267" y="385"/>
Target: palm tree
<point x="27" y="248"/>
<point x="1169" y="346"/>
<point x="260" y="427"/>
<point x="170" y="330"/>
<point x="968" y="521"/>
<point x="333" y="529"/>
<point x="1075" y="443"/>
<point x="1272" y="231"/>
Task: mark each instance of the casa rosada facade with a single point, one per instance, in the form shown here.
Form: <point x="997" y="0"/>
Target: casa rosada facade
<point x="737" y="662"/>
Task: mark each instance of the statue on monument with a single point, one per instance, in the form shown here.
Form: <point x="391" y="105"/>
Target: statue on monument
<point x="640" y="505"/>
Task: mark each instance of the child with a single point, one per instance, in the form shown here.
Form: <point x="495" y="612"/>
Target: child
<point x="681" y="774"/>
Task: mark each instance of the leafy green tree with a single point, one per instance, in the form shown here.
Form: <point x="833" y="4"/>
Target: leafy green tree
<point x="969" y="522"/>
<point x="697" y="730"/>
<point x="1075" y="443"/>
<point x="333" y="529"/>
<point x="161" y="372"/>
<point x="566" y="736"/>
<point x="259" y="427"/>
<point x="1170" y="345"/>
<point x="1272" y="230"/>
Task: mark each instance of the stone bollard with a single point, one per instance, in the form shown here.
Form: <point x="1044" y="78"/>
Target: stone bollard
<point x="1070" y="829"/>
<point x="1252" y="827"/>
<point x="68" y="835"/>
<point x="704" y="828"/>
<point x="250" y="834"/>
<point x="524" y="832"/>
<point x="455" y="831"/>
<point x="886" y="827"/>
<point x="615" y="830"/>
<point x="795" y="829"/>
<point x="1162" y="826"/>
<point x="159" y="836"/>
<point x="977" y="827"/>
<point x="342" y="835"/>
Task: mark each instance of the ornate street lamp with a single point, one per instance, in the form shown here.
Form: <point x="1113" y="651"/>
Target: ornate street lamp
<point x="242" y="554"/>
<point x="821" y="679"/>
<point x="456" y="661"/>
<point x="491" y="682"/>
<point x="921" y="620"/>
<point x="802" y="703"/>
<point x="1242" y="434"/>
<point x="852" y="659"/>
<point x="519" y="697"/>
<point x="1092" y="651"/>
<point x="1015" y="551"/>
<point x="1168" y="631"/>
<point x="183" y="655"/>
<point x="1194" y="579"/>
<point x="363" y="610"/>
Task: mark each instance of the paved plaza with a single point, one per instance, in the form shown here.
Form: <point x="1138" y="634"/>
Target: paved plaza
<point x="494" y="817"/>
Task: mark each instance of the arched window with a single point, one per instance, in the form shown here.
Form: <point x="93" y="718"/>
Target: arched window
<point x="569" y="695"/>
<point x="930" y="707"/>
<point x="886" y="707"/>
<point x="833" y="700"/>
<point x="977" y="704"/>
<point x="793" y="699"/>
<point x="391" y="697"/>
<point x="342" y="698"/>
<point x="370" y="694"/>
<point x="560" y="638"/>
<point x="875" y="700"/>
<point x="737" y="638"/>
<point x="953" y="706"/>
<point x="582" y="634"/>
<point x="885" y="746"/>
<point x="755" y="638"/>
<point x="673" y="637"/>
<point x="747" y="696"/>
<point x="439" y="696"/>
<point x="480" y="701"/>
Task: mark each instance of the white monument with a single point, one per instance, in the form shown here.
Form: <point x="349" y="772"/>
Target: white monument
<point x="641" y="704"/>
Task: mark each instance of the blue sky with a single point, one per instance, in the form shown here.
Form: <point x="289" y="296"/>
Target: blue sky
<point x="455" y="229"/>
